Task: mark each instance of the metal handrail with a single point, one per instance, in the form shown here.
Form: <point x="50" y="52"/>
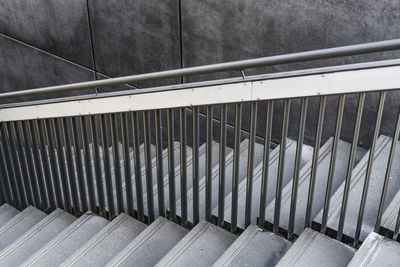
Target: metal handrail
<point x="220" y="67"/>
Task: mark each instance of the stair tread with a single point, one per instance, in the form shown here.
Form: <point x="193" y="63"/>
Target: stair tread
<point x="202" y="246"/>
<point x="67" y="242"/>
<point x="106" y="243"/>
<point x="389" y="217"/>
<point x="150" y="245"/>
<point x="41" y="233"/>
<point x="377" y="250"/>
<point x="272" y="178"/>
<point x="324" y="157"/>
<point x="7" y="212"/>
<point x="374" y="191"/>
<point x="315" y="249"/>
<point x="18" y="225"/>
<point x="254" y="248"/>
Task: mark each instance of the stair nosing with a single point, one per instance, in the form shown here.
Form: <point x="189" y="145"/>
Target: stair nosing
<point x="242" y="245"/>
<point x="140" y="240"/>
<point x="32" y="232"/>
<point x="190" y="237"/>
<point x="59" y="238"/>
<point x="96" y="239"/>
<point x="17" y="218"/>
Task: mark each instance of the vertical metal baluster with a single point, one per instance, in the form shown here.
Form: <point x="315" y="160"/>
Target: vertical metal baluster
<point x="137" y="166"/>
<point x="222" y="159"/>
<point x="195" y="165"/>
<point x="159" y="159"/>
<point x="7" y="191"/>
<point x="88" y="165"/>
<point x="387" y="175"/>
<point x="266" y="156"/>
<point x="314" y="166"/>
<point x="53" y="162"/>
<point x="79" y="162"/>
<point x="30" y="134"/>
<point x="369" y="167"/>
<point x="236" y="165"/>
<point x="209" y="166"/>
<point x="116" y="157"/>
<point x="332" y="163"/>
<point x="60" y="145"/>
<point x="299" y="148"/>
<point x="105" y="143"/>
<point x="70" y="164"/>
<point x="127" y="165"/>
<point x="45" y="156"/>
<point x="23" y="163"/>
<point x="281" y="165"/>
<point x="10" y="167"/>
<point x="250" y="163"/>
<point x="148" y="165"/>
<point x="16" y="164"/>
<point x="183" y="164"/>
<point x="350" y="166"/>
<point x="94" y="132"/>
<point x="171" y="164"/>
<point x="38" y="191"/>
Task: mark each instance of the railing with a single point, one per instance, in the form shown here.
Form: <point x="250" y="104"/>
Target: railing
<point x="55" y="153"/>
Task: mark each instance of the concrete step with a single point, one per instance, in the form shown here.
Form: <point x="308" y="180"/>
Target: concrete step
<point x="315" y="249"/>
<point x="254" y="247"/>
<point x="107" y="243"/>
<point x="202" y="173"/>
<point x="7" y="212"/>
<point x="18" y="225"/>
<point x="67" y="242"/>
<point x="389" y="217"/>
<point x="151" y="245"/>
<point x="35" y="238"/>
<point x="324" y="157"/>
<point x="257" y="180"/>
<point x="378" y="251"/>
<point x="374" y="191"/>
<point x="154" y="177"/>
<point x="243" y="159"/>
<point x="202" y="246"/>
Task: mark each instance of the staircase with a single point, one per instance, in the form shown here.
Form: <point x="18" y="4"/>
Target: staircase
<point x="32" y="238"/>
<point x="118" y="179"/>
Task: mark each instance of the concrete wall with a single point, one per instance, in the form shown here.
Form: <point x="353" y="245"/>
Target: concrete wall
<point x="61" y="41"/>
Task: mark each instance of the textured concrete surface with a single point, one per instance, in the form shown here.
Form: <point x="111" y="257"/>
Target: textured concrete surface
<point x="377" y="251"/>
<point x="202" y="246"/>
<point x="315" y="249"/>
<point x="36" y="237"/>
<point x="132" y="37"/>
<point x="18" y="225"/>
<point x="22" y="67"/>
<point x="107" y="243"/>
<point x="67" y="242"/>
<point x="151" y="245"/>
<point x="144" y="36"/>
<point x="254" y="247"/>
<point x="59" y="27"/>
